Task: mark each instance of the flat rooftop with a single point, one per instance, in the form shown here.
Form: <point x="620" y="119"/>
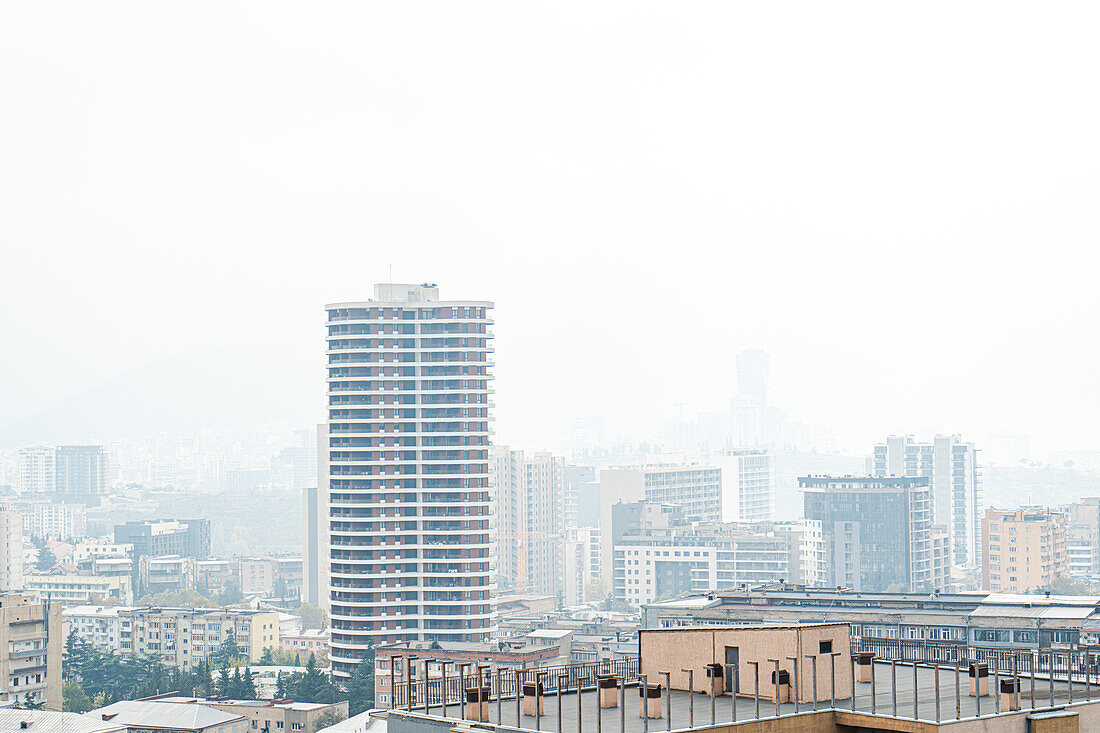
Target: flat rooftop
<point x="882" y="700"/>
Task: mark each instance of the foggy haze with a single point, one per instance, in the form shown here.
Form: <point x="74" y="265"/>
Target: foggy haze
<point x="897" y="204"/>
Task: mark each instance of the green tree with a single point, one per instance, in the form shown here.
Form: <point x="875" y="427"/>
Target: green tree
<point x="267" y="659"/>
<point x="248" y="685"/>
<point x="73" y="697"/>
<point x="280" y="686"/>
<point x="360" y="685"/>
<point x="222" y="687"/>
<point x="235" y="684"/>
<point x="328" y="718"/>
<point x="31" y="701"/>
<point x="46" y="558"/>
<point x="229" y="651"/>
<point x="312" y="616"/>
<point x="1063" y="586"/>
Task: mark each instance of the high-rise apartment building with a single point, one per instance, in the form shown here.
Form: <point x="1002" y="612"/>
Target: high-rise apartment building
<point x="1024" y="549"/>
<point x="581" y="565"/>
<point x="755" y="424"/>
<point x="957" y="500"/>
<point x="578" y="504"/>
<point x="1083" y="537"/>
<point x="11" y="549"/>
<point x="36" y="470"/>
<point x="81" y="471"/>
<point x="408" y="470"/>
<point x="877" y="530"/>
<point x="528" y="507"/>
<point x="697" y="490"/>
<point x="748" y="484"/>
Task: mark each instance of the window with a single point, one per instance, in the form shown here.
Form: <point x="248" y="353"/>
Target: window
<point x="825" y="647"/>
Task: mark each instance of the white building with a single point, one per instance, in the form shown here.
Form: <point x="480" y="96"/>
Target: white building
<point x="99" y="626"/>
<point x="657" y="562"/>
<point x="11" y="549"/>
<point x="37" y="470"/>
<point x="957" y="499"/>
<point x="48" y="520"/>
<point x="694" y="488"/>
<point x="408" y="470"/>
<point x="581" y="566"/>
<point x="748" y="485"/>
<point x="528" y="493"/>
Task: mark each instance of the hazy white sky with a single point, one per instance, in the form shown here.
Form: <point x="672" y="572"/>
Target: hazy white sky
<point x="897" y="201"/>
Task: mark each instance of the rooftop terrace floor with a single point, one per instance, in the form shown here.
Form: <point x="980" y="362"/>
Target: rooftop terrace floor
<point x="696" y="708"/>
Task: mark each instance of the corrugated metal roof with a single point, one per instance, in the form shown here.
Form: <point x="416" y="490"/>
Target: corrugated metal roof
<point x="163" y="715"/>
<point x="51" y="721"/>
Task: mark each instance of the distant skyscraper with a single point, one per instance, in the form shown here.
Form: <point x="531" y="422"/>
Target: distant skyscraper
<point x="755" y="424"/>
<point x="957" y="498"/>
<point x="81" y="471"/>
<point x="877" y="530"/>
<point x="528" y="506"/>
<point x="408" y="471"/>
<point x="753" y="366"/>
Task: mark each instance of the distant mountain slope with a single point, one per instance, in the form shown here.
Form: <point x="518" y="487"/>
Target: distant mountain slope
<point x="187" y="392"/>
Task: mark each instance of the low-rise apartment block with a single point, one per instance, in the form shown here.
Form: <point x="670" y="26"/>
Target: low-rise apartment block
<point x="99" y="626"/>
<point x="1023" y="550"/>
<point x="30" y="651"/>
<point x="184" y="637"/>
<point x="72" y="589"/>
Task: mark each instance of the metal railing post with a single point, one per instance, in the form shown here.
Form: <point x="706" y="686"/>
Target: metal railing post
<point x="894" y="684"/>
<point x="813" y="673"/>
<point x="775" y="686"/>
<point x="755" y="687"/>
<point x="874" y="690"/>
<point x="668" y="699"/>
<point x="916" y="687"/>
<point x="1050" y="676"/>
<point x="1069" y="675"/>
<point x="519" y="702"/>
<point x="733" y="690"/>
<point x="561" y="694"/>
<point x="538" y="700"/>
<point x="958" y="697"/>
<point x="794" y="672"/>
<point x="622" y="702"/>
<point x="936" y="682"/>
<point x="1031" y="669"/>
<point x="644" y="682"/>
<point x="832" y="679"/>
<point x="443" y="684"/>
<point x="691" y="696"/>
<point x="409" y="683"/>
<point x="393" y="684"/>
<point x="427" y="705"/>
<point x="712" y="718"/>
<point x="853" y="671"/>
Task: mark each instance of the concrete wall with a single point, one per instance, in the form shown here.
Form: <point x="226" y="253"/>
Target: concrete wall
<point x="672" y="650"/>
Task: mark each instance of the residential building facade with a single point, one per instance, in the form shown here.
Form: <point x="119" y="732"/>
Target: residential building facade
<point x="958" y="501"/>
<point x="184" y="637"/>
<point x="528" y="508"/>
<point x="408" y="470"/>
<point x="877" y="530"/>
<point x="81" y="472"/>
<point x="1024" y="549"/>
<point x="11" y="549"/>
<point x="748" y="484"/>
<point x="30" y="651"/>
